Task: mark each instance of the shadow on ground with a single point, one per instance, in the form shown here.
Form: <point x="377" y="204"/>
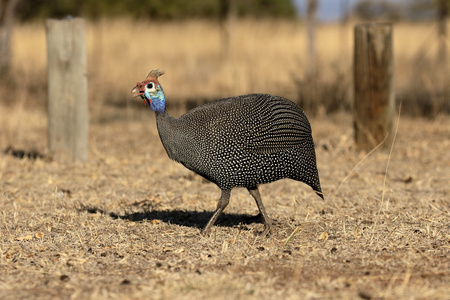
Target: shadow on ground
<point x="181" y="217"/>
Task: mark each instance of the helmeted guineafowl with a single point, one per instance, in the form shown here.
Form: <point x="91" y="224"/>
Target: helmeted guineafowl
<point x="240" y="141"/>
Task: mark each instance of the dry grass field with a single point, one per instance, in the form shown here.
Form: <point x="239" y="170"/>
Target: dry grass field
<point x="263" y="56"/>
<point x="125" y="224"/>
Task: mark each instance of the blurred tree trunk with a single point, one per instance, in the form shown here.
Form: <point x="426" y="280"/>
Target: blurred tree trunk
<point x="7" y="8"/>
<point x="311" y="14"/>
<point x="311" y="74"/>
<point x="442" y="57"/>
<point x="443" y="8"/>
<point x="345" y="11"/>
<point x="227" y="20"/>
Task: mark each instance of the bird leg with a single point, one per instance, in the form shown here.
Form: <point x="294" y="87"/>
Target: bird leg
<point x="223" y="202"/>
<point x="267" y="221"/>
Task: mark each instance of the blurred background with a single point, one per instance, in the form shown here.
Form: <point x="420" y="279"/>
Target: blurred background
<point x="299" y="49"/>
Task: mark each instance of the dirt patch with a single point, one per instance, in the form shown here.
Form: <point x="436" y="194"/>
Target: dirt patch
<point x="126" y="223"/>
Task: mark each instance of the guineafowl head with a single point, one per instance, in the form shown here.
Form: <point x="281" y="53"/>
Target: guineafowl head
<point x="151" y="91"/>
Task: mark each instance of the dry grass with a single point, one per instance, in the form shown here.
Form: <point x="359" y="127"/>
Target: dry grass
<point x="264" y="56"/>
<point x="126" y="223"/>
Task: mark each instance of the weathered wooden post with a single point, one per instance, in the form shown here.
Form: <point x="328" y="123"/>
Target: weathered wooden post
<point x="374" y="104"/>
<point x="67" y="106"/>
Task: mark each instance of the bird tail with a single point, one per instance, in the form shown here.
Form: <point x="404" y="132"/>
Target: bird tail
<point x="315" y="185"/>
<point x="319" y="193"/>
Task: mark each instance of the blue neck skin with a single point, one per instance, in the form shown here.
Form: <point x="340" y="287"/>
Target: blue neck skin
<point x="157" y="101"/>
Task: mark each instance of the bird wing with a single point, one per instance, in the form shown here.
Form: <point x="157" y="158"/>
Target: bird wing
<point x="258" y="123"/>
<point x="275" y="125"/>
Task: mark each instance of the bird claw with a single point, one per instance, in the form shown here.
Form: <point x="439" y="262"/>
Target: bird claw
<point x="205" y="232"/>
<point x="267" y="231"/>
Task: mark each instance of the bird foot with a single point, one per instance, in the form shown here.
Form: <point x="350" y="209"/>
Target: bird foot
<point x="267" y="231"/>
<point x="206" y="232"/>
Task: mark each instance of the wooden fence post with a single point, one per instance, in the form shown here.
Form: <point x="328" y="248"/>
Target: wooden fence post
<point x="67" y="106"/>
<point x="374" y="103"/>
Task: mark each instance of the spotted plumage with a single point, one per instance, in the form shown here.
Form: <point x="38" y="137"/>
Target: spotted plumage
<point x="241" y="141"/>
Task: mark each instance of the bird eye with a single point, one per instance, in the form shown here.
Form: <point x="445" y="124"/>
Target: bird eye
<point x="150" y="85"/>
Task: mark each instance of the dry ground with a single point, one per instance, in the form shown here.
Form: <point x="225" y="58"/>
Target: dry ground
<point x="126" y="224"/>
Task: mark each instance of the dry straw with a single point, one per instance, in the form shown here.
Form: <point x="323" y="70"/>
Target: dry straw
<point x="383" y="192"/>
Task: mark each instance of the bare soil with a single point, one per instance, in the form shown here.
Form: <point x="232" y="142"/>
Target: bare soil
<point x="126" y="223"/>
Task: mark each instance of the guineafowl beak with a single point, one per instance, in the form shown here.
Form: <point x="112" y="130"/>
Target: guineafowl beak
<point x="135" y="92"/>
<point x="138" y="91"/>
